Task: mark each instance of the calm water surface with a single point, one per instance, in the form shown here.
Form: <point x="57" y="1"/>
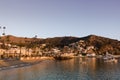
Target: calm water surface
<point x="74" y="69"/>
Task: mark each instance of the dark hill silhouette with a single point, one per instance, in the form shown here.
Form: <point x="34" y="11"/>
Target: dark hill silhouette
<point x="60" y="41"/>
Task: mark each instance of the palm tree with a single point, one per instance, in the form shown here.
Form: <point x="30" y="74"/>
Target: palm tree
<point x="0" y="38"/>
<point x="4" y="30"/>
<point x="0" y="35"/>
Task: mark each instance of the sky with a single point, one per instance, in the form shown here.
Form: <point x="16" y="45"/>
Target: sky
<point x="57" y="18"/>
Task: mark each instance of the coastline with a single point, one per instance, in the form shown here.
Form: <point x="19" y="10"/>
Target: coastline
<point x="23" y="62"/>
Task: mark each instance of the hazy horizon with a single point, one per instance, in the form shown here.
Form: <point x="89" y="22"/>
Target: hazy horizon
<point x="53" y="18"/>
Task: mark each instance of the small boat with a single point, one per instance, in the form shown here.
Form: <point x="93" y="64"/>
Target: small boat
<point x="91" y="55"/>
<point x="109" y="58"/>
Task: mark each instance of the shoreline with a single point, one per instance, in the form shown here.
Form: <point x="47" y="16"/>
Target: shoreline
<point x="23" y="62"/>
<point x="10" y="64"/>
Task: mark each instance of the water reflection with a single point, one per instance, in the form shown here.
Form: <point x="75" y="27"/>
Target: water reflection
<point x="74" y="69"/>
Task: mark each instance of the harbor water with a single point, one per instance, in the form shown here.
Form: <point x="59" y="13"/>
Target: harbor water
<point x="73" y="69"/>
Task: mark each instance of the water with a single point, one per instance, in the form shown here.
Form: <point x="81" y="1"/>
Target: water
<point x="74" y="69"/>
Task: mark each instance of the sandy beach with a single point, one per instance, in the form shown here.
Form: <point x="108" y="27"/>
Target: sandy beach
<point x="8" y="64"/>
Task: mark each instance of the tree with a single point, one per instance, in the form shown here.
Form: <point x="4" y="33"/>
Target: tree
<point x="4" y="30"/>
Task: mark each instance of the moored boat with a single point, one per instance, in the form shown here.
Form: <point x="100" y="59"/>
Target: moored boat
<point x="109" y="58"/>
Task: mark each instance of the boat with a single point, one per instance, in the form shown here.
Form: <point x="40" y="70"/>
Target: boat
<point x="91" y="55"/>
<point x="109" y="58"/>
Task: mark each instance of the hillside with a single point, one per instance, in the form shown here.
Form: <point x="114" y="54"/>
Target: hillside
<point x="101" y="44"/>
<point x="60" y="41"/>
<point x="17" y="40"/>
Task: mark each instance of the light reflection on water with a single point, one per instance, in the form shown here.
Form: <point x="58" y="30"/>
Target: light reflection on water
<point x="74" y="69"/>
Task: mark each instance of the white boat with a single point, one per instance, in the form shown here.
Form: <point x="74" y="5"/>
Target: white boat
<point x="91" y="55"/>
<point x="109" y="58"/>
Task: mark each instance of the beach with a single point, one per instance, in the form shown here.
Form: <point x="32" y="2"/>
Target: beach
<point x="9" y="64"/>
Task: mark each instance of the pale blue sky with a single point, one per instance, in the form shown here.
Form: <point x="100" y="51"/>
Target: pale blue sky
<point x="53" y="18"/>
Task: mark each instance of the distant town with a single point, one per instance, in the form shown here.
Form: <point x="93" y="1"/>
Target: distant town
<point x="14" y="51"/>
<point x="12" y="47"/>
